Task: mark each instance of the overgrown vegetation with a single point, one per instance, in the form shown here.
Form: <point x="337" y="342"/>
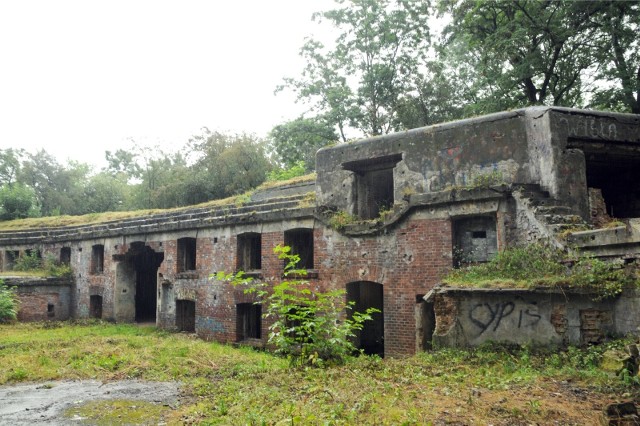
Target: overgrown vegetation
<point x="299" y="168"/>
<point x="32" y="263"/>
<point x="308" y="326"/>
<point x="8" y="303"/>
<point x="541" y="265"/>
<point x="225" y="385"/>
<point x="340" y="219"/>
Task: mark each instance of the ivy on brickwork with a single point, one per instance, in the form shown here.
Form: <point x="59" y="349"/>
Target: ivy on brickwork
<point x="539" y="265"/>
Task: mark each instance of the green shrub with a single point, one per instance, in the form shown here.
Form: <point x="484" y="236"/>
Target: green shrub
<point x="298" y="169"/>
<point x="54" y="268"/>
<point x="309" y="327"/>
<point x="340" y="219"/>
<point x="29" y="261"/>
<point x="8" y="303"/>
<point x="539" y="264"/>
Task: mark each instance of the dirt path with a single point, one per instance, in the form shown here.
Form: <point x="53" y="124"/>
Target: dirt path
<point x="46" y="403"/>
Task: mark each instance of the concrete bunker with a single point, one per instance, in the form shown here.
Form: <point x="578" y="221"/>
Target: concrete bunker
<point x="365" y="295"/>
<point x="136" y="283"/>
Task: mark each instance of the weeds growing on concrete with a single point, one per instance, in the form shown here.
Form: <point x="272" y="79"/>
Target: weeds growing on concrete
<point x="541" y="265"/>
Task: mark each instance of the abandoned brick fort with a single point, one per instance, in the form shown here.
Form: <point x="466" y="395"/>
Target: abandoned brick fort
<point x="420" y="203"/>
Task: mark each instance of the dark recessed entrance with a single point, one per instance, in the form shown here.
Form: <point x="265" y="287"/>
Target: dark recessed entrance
<point x="186" y="315"/>
<point x="136" y="283"/>
<point x="146" y="264"/>
<point x="614" y="169"/>
<point x="365" y="295"/>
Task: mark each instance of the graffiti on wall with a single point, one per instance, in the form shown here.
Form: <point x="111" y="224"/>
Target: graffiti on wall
<point x="590" y="127"/>
<point x="490" y="316"/>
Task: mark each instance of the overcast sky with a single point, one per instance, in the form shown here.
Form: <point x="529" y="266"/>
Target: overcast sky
<point x="78" y="77"/>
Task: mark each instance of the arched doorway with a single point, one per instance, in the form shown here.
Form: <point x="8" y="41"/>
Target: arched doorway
<point x="136" y="284"/>
<point x="365" y="295"/>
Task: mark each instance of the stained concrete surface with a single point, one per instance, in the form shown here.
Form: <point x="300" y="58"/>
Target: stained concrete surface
<point x="45" y="403"/>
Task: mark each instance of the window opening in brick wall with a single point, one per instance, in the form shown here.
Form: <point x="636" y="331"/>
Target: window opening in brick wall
<point x="248" y="321"/>
<point x="249" y="252"/>
<point x="186" y="315"/>
<point x="97" y="259"/>
<point x="374" y="188"/>
<point x="65" y="255"/>
<point x="301" y="242"/>
<point x="186" y="254"/>
<point x="474" y="239"/>
<point x="365" y="295"/>
<point x="51" y="310"/>
<point x="10" y="257"/>
<point x="95" y="306"/>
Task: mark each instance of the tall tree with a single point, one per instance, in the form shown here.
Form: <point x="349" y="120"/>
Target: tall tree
<point x="526" y="52"/>
<point x="618" y="55"/>
<point x="225" y="164"/>
<point x="58" y="188"/>
<point x="10" y="164"/>
<point x="298" y="140"/>
<point x="361" y="80"/>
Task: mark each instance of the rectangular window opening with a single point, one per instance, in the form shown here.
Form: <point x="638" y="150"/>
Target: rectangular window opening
<point x="475" y="240"/>
<point x="248" y="321"/>
<point x="97" y="259"/>
<point x="374" y="186"/>
<point x="65" y="255"/>
<point x="186" y="315"/>
<point x="249" y="258"/>
<point x="301" y="242"/>
<point x="95" y="306"/>
<point x="186" y="254"/>
<point x="10" y="257"/>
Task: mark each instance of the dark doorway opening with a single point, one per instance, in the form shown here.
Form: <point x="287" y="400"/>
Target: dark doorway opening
<point x="141" y="270"/>
<point x="146" y="263"/>
<point x="186" y="315"/>
<point x="365" y="295"/>
<point x="614" y="169"/>
<point x="95" y="306"/>
<point x="248" y="321"/>
<point x="65" y="255"/>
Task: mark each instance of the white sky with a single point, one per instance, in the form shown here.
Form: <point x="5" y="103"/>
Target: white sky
<point x="78" y="77"/>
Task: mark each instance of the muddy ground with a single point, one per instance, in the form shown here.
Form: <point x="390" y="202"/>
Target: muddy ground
<point x="52" y="402"/>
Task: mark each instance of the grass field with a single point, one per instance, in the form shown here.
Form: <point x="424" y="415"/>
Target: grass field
<point x="226" y="385"/>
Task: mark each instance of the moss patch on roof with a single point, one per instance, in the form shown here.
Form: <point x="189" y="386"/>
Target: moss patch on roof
<point x="537" y="265"/>
<point x="96" y="218"/>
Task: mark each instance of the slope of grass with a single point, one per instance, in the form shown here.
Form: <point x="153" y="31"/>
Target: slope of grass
<point x="225" y="385"/>
<point x="96" y="218"/>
